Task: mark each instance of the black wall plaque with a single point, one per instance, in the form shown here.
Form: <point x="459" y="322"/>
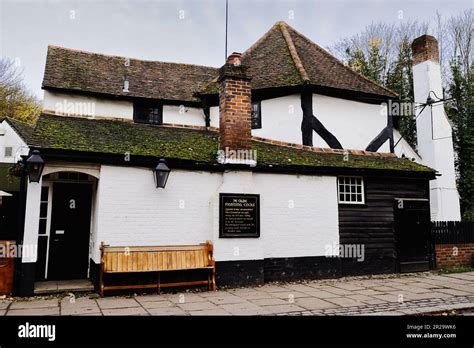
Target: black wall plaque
<point x="239" y="215"/>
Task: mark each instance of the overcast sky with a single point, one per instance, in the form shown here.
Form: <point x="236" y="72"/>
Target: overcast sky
<point x="185" y="31"/>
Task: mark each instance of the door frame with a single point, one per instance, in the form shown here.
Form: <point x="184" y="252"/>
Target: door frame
<point x="50" y="184"/>
<point x="397" y="228"/>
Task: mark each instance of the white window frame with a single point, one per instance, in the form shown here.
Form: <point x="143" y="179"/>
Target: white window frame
<point x="362" y="190"/>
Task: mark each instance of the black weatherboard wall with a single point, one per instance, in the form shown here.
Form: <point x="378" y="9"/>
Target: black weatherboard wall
<point x="371" y="224"/>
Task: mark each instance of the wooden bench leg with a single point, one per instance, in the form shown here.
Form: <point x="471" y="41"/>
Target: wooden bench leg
<point x="214" y="278"/>
<point x="159" y="284"/>
<point x="101" y="281"/>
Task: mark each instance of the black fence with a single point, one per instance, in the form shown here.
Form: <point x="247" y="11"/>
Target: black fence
<point x="452" y="232"/>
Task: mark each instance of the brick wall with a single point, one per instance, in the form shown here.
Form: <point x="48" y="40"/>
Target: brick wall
<point x="451" y="255"/>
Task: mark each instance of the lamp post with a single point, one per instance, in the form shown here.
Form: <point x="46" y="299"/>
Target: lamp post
<point x="161" y="173"/>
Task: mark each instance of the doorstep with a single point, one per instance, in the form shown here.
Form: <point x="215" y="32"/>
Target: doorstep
<point x="60" y="286"/>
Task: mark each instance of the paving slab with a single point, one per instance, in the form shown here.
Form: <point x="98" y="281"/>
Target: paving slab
<point x="187" y="298"/>
<point x="54" y="303"/>
<point x="215" y="311"/>
<point x="4" y="304"/>
<point x="299" y="287"/>
<point x="152" y="298"/>
<point x="286" y="308"/>
<point x="117" y="302"/>
<point x="321" y="294"/>
<point x="166" y="311"/>
<point x="244" y="308"/>
<point x="412" y="289"/>
<point x="197" y="306"/>
<point x="226" y="299"/>
<point x="269" y="302"/>
<point x="80" y="306"/>
<point x="344" y="301"/>
<point x="349" y="286"/>
<point x="337" y="291"/>
<point x="157" y="304"/>
<point x="366" y="299"/>
<point x="454" y="292"/>
<point x="125" y="311"/>
<point x="288" y="296"/>
<point x="312" y="303"/>
<point x="368" y="292"/>
<point x="45" y="311"/>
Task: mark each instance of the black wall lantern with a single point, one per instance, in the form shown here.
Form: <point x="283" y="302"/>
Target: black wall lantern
<point x="161" y="174"/>
<point x="34" y="166"/>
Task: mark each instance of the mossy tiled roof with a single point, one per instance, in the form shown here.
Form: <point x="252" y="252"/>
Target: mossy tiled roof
<point x="194" y="145"/>
<point x="98" y="73"/>
<point x="23" y="129"/>
<point x="281" y="58"/>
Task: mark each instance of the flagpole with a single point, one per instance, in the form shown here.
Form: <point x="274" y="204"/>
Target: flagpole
<point x="226" y="26"/>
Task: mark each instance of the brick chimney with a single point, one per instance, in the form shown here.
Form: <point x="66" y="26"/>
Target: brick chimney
<point x="425" y="48"/>
<point x="235" y="106"/>
<point x="434" y="133"/>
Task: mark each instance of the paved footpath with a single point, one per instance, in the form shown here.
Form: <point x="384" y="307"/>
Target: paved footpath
<point x="376" y="295"/>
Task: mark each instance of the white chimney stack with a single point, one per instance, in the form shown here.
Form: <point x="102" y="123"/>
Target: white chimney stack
<point x="434" y="133"/>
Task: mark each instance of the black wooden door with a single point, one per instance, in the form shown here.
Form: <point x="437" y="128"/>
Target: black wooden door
<point x="412" y="224"/>
<point x="70" y="229"/>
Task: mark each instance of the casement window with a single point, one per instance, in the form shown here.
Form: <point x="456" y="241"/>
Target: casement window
<point x="8" y="151"/>
<point x="256" y="115"/>
<point x="350" y="189"/>
<point x="148" y="113"/>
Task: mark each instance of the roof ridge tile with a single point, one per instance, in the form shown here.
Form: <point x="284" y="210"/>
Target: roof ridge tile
<point x="294" y="54"/>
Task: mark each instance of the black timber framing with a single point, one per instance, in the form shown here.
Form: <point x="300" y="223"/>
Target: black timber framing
<point x="383" y="136"/>
<point x="310" y="123"/>
<point x="373" y="223"/>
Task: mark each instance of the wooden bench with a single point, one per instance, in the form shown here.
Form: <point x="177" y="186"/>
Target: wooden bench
<point x="157" y="259"/>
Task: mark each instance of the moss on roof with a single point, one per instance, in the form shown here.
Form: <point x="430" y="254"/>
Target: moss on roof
<point x="24" y="130"/>
<point x="116" y="137"/>
<point x="197" y="145"/>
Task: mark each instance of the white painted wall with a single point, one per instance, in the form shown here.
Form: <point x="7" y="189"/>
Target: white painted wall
<point x="281" y="119"/>
<point x="10" y="138"/>
<point x="183" y="115"/>
<point x="353" y="123"/>
<point x="301" y="216"/>
<point x="435" y="144"/>
<point x="403" y="148"/>
<point x="214" y="116"/>
<point x="131" y="211"/>
<point x="73" y="104"/>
